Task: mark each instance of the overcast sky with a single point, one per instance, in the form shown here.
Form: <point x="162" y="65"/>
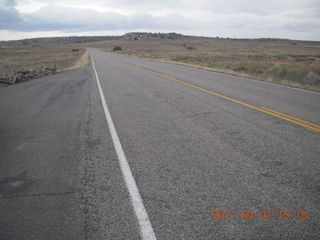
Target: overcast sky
<point x="294" y="19"/>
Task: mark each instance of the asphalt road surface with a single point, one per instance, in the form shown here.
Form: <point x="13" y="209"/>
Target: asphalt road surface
<point x="210" y="156"/>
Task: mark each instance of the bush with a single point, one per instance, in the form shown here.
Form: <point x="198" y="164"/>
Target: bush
<point x="117" y="48"/>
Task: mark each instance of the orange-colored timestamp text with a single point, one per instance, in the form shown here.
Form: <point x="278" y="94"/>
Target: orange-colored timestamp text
<point x="261" y="215"/>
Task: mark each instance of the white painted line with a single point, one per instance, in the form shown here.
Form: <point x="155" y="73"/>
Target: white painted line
<point x="146" y="229"/>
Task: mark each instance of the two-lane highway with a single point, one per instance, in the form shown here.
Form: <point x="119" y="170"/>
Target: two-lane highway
<point x="130" y="148"/>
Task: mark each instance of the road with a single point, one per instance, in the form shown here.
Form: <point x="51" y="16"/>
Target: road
<point x="195" y="142"/>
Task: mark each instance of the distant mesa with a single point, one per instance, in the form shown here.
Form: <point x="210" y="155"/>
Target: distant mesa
<point x="35" y="42"/>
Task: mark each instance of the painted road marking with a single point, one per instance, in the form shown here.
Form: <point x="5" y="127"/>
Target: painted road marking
<point x="292" y="117"/>
<point x="146" y="229"/>
<point x="300" y="122"/>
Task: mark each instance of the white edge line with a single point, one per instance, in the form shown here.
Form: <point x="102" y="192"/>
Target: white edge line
<point x="146" y="229"/>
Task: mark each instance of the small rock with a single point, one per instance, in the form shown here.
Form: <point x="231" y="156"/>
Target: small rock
<point x="5" y="80"/>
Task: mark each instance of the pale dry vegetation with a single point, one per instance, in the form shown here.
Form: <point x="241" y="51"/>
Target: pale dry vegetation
<point x="295" y="63"/>
<point x="26" y="57"/>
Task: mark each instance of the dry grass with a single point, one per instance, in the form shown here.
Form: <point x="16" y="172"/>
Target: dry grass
<point x="27" y="57"/>
<point x="295" y="63"/>
<point x="81" y="62"/>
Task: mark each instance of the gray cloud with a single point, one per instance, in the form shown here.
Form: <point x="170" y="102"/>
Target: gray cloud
<point x="9" y="16"/>
<point x="301" y="27"/>
<point x="54" y="17"/>
<point x="8" y="3"/>
<point x="234" y="18"/>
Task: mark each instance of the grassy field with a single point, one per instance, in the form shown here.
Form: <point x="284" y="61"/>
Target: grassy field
<point x="295" y="63"/>
<point x="26" y="57"/>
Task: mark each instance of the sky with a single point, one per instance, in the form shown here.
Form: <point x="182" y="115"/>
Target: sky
<point x="290" y="19"/>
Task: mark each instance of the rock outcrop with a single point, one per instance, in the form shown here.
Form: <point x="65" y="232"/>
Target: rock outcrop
<point x="26" y="75"/>
<point x="146" y="35"/>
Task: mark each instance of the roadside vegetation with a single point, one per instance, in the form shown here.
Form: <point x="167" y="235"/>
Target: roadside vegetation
<point x="27" y="57"/>
<point x="63" y="53"/>
<point x="293" y="73"/>
<point x="294" y="63"/>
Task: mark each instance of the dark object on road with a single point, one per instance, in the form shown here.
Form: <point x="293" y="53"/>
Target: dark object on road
<point x="26" y="75"/>
<point x="117" y="48"/>
<point x="75" y="49"/>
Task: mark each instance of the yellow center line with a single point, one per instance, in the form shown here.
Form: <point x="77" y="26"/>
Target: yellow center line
<point x="300" y="122"/>
<point x="292" y="121"/>
<point x="292" y="117"/>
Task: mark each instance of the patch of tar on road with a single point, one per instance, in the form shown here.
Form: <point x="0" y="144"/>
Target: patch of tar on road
<point x="92" y="144"/>
<point x="278" y="163"/>
<point x="11" y="186"/>
<point x="266" y="174"/>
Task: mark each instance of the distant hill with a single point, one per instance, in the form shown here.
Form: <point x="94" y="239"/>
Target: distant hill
<point x="86" y="39"/>
<point x="57" y="40"/>
<point x="51" y="41"/>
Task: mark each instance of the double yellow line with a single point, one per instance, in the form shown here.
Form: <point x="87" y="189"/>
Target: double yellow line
<point x="308" y="125"/>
